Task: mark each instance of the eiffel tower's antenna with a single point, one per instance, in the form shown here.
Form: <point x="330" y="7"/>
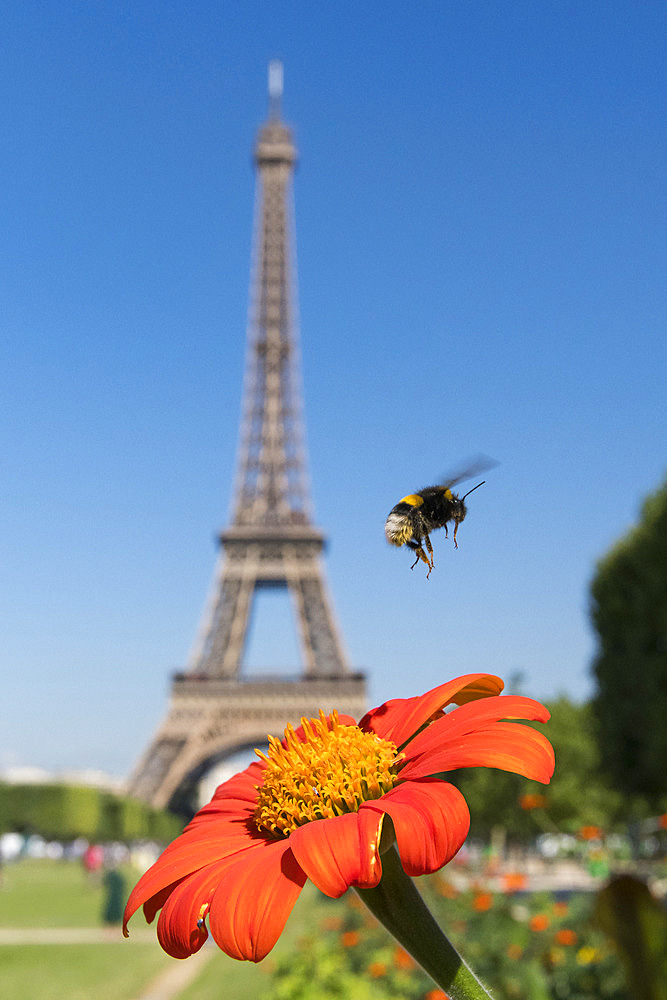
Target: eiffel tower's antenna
<point x="275" y="89"/>
<point x="272" y="484"/>
<point x="271" y="540"/>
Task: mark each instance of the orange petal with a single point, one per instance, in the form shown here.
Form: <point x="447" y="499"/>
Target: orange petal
<point x="253" y="900"/>
<point x="221" y="810"/>
<point x="234" y="799"/>
<point x="508" y="746"/>
<point x="431" y="821"/>
<point x="177" y="928"/>
<point x="242" y="785"/>
<point x="469" y="718"/>
<point x="155" y="903"/>
<point x="190" y="853"/>
<point x="399" y="719"/>
<point x="340" y="852"/>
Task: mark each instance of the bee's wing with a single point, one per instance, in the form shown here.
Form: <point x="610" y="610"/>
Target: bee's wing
<point x="474" y="466"/>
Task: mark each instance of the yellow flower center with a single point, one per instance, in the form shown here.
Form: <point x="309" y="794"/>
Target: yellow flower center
<point x="331" y="772"/>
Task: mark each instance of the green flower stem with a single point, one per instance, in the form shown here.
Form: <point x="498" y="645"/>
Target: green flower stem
<point x="397" y="904"/>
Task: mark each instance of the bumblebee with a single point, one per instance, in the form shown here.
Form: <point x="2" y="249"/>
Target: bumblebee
<point x="416" y="515"/>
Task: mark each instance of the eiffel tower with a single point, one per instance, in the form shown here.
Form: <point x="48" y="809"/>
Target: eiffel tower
<point x="214" y="711"/>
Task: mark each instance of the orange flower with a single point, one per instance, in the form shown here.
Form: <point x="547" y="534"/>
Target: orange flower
<point x="435" y="995"/>
<point x="446" y="889"/>
<point x="539" y="922"/>
<point x="376" y="970"/>
<point x="590" y="833"/>
<point x="566" y="936"/>
<point x="349" y="939"/>
<point x="560" y="908"/>
<point x="314" y="807"/>
<point x="482" y="901"/>
<point x="533" y="801"/>
<point x="402" y="960"/>
<point x="514" y="882"/>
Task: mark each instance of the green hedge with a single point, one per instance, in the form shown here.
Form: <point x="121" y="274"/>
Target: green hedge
<point x="64" y="812"/>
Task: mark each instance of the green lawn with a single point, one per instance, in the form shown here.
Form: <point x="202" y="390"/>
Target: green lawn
<point x="50" y="894"/>
<point x="77" y="971"/>
<point x="58" y="894"/>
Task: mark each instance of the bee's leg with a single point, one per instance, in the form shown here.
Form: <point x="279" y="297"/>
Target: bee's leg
<point x="429" y="549"/>
<point x="415" y="545"/>
<point x="424" y="558"/>
<point x="456" y="528"/>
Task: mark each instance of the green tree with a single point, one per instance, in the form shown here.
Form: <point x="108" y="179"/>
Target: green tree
<point x="579" y="794"/>
<point x="629" y="613"/>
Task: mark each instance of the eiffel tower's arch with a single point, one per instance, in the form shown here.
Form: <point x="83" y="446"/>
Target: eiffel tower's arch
<point x="209" y="719"/>
<point x="271" y="540"/>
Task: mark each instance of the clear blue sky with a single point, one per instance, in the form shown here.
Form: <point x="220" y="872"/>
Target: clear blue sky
<point x="480" y="212"/>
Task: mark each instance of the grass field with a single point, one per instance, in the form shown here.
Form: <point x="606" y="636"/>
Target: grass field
<point x="77" y="971"/>
<point x="38" y="894"/>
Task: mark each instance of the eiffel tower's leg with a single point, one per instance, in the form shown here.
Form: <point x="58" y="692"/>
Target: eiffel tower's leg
<point x="154" y="767"/>
<point x="322" y="652"/>
<point x="223" y="652"/>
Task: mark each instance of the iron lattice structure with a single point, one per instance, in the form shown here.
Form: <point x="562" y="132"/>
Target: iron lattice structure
<point x="271" y="540"/>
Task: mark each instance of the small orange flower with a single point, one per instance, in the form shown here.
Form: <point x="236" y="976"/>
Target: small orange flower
<point x="349" y="939"/>
<point x="533" y="801"/>
<point x="590" y="833"/>
<point x="561" y="908"/>
<point x="482" y="901"/>
<point x="446" y="889"/>
<point x="539" y="922"/>
<point x="435" y="995"/>
<point x="514" y="882"/>
<point x="514" y="951"/>
<point x="402" y="960"/>
<point x="662" y="821"/>
<point x="566" y="936"/>
<point x="376" y="970"/>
